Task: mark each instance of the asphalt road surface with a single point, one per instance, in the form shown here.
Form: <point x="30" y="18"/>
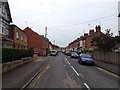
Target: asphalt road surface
<point x="60" y="72"/>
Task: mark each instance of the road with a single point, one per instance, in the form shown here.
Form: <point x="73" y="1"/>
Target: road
<point x="61" y="72"/>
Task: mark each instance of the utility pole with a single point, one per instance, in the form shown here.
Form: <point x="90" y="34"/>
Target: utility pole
<point x="47" y="41"/>
<point x="45" y="32"/>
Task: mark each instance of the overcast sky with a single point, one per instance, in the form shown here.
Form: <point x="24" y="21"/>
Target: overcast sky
<point x="66" y="19"/>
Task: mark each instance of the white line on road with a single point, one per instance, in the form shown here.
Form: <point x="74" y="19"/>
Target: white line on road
<point x="67" y="61"/>
<point x="47" y="67"/>
<point x="87" y="86"/>
<point x="110" y="73"/>
<point x="81" y="75"/>
<point x="75" y="71"/>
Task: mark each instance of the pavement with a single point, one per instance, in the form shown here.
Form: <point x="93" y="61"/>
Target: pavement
<point x="17" y="77"/>
<point x="108" y="66"/>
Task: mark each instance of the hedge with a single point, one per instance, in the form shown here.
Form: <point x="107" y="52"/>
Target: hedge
<point x="9" y="55"/>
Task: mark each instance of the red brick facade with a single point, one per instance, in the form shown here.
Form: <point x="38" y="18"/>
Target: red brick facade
<point x="36" y="41"/>
<point x="19" y="37"/>
<point x="86" y="41"/>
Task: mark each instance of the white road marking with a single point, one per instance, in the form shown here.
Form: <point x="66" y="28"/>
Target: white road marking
<point x="87" y="86"/>
<point x="47" y="67"/>
<point x="75" y="71"/>
<point x="81" y="75"/>
<point x="110" y="73"/>
<point x="67" y="61"/>
<point x="64" y="65"/>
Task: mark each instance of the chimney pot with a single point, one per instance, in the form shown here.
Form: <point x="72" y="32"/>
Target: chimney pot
<point x="98" y="28"/>
<point x="91" y="32"/>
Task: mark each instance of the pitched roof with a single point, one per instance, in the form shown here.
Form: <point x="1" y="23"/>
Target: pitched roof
<point x="5" y="2"/>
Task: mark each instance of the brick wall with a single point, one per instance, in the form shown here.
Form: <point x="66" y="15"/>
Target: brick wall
<point x="36" y="41"/>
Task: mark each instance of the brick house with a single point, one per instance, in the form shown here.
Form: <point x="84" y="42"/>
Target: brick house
<point x="38" y="42"/>
<point x="19" y="37"/>
<point x="86" y="41"/>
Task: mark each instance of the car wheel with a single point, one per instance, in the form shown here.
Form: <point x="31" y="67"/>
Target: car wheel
<point x="81" y="63"/>
<point x="93" y="64"/>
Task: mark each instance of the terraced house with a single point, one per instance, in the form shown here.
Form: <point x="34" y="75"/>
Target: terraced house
<point x="5" y="20"/>
<point x="19" y="37"/>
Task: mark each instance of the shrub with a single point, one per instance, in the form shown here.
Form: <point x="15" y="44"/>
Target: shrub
<point x="9" y="55"/>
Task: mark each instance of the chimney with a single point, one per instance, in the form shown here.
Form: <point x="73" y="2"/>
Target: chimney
<point x="91" y="32"/>
<point x="98" y="28"/>
<point x="85" y="35"/>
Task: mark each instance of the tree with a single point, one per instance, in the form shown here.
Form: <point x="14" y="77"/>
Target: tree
<point x="105" y="42"/>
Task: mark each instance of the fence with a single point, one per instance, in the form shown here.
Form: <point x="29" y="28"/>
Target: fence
<point x="109" y="57"/>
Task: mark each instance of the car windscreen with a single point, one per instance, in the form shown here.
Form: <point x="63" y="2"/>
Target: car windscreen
<point x="74" y="54"/>
<point x="85" y="56"/>
<point x="52" y="51"/>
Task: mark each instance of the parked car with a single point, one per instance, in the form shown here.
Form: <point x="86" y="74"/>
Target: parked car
<point x="53" y="53"/>
<point x="86" y="59"/>
<point x="68" y="53"/>
<point x="74" y="55"/>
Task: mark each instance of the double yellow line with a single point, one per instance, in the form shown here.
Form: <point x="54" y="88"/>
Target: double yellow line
<point x="41" y="72"/>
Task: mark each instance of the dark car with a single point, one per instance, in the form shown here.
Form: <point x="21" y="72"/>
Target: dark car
<point x="86" y="59"/>
<point x="74" y="55"/>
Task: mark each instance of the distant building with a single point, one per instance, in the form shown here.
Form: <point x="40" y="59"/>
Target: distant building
<point x="39" y="43"/>
<point x="86" y="41"/>
<point x="5" y="20"/>
<point x="19" y="37"/>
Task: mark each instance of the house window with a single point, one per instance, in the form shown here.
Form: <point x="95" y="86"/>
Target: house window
<point x="21" y="38"/>
<point x="17" y="35"/>
<point x="4" y="30"/>
<point x="0" y="4"/>
<point x="25" y="38"/>
<point x="3" y="9"/>
<point x="7" y="32"/>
